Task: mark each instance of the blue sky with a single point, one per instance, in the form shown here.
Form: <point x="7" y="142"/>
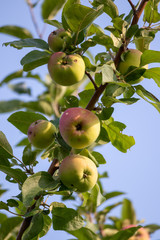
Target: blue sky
<point x="137" y="172"/>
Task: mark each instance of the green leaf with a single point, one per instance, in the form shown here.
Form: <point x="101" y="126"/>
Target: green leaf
<point x="17" y="74"/>
<point x="10" y="227"/>
<point x="12" y="203"/>
<point x="71" y="101"/>
<point x="94" y="29"/>
<point x="85" y="97"/>
<point x="151" y="14"/>
<point x="22" y="120"/>
<point x="54" y="23"/>
<point x="128" y="212"/>
<point x="39" y="106"/>
<point x="85" y="152"/>
<point x="124" y="234"/>
<point x="143" y="93"/>
<point x="5" y="148"/>
<point x="23" y="142"/>
<point x="99" y="157"/>
<point x="29" y="156"/>
<point x="78" y="17"/>
<point x="51" y="7"/>
<point x="103" y="40"/>
<point x="89" y="66"/>
<point x="10" y="106"/>
<point x="108" y="101"/>
<point x="36" y="185"/>
<point x="16" y="31"/>
<point x="152" y="228"/>
<point x="17" y="174"/>
<point x="106" y="113"/>
<point x="3" y="217"/>
<point x="110" y="7"/>
<point x="20" y="88"/>
<point x="150" y="56"/>
<point x="132" y="31"/>
<point x="66" y="219"/>
<point x="113" y="90"/>
<point x="20" y="74"/>
<point x="93" y="199"/>
<point x="113" y="194"/>
<point x="84" y="234"/>
<point x="119" y="140"/>
<point x="34" y="59"/>
<point x="29" y="42"/>
<point x="108" y="74"/>
<point x="47" y="224"/>
<point x="35" y="227"/>
<point x="133" y="74"/>
<point x="153" y="73"/>
<point x="3" y="205"/>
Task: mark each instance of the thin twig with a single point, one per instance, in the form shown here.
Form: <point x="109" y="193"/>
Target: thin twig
<point x="93" y="82"/>
<point x="33" y="18"/>
<point x="132" y="5"/>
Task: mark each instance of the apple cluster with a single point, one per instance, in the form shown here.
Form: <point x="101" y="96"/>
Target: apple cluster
<point x="65" y="69"/>
<point x="79" y="128"/>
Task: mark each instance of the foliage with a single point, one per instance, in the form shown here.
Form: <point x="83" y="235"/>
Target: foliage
<point x="102" y="87"/>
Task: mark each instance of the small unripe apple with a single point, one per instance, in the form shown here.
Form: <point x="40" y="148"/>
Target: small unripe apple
<point x="58" y="39"/>
<point x="66" y="69"/>
<point x="131" y="58"/>
<point x="141" y="234"/>
<point x="79" y="127"/>
<point x="78" y="173"/>
<point x="41" y="133"/>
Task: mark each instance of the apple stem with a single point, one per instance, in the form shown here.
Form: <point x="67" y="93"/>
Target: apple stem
<point x="26" y="222"/>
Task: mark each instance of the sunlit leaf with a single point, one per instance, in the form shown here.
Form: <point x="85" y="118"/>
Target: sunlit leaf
<point x="34" y="59"/>
<point x="36" y="185"/>
<point x="51" y="7"/>
<point x="66" y="219"/>
<point x="22" y="120"/>
<point x="16" y="31"/>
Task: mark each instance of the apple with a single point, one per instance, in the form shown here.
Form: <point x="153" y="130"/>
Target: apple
<point x="58" y="39"/>
<point x="79" y="127"/>
<point x="141" y="234"/>
<point x="66" y="69"/>
<point x="131" y="58"/>
<point x="78" y="173"/>
<point x="41" y="133"/>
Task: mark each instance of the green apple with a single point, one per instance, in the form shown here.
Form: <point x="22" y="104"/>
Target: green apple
<point x="141" y="234"/>
<point x="58" y="39"/>
<point x="79" y="127"/>
<point x="131" y="58"/>
<point x="66" y="69"/>
<point x="78" y="173"/>
<point x="41" y="133"/>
